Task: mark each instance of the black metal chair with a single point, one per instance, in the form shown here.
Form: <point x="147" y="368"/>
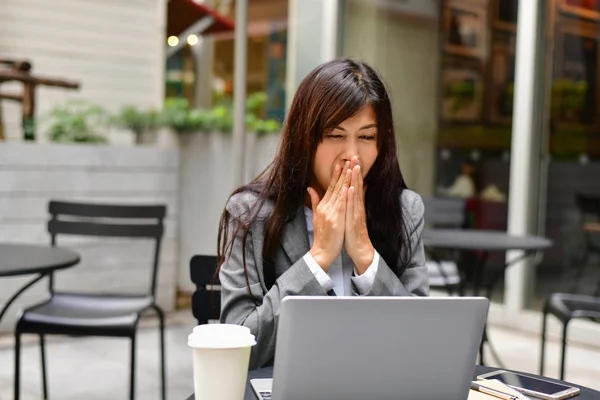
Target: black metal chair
<point x="449" y="213"/>
<point x="109" y="315"/>
<point x="206" y="300"/>
<point x="575" y="304"/>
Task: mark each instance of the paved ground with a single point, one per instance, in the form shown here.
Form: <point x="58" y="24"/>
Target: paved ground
<point x="97" y="368"/>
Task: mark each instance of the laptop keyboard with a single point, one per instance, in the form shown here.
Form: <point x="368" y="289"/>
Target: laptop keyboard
<point x="266" y="395"/>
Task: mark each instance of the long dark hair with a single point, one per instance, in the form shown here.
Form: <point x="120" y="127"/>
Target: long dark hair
<point x="330" y="94"/>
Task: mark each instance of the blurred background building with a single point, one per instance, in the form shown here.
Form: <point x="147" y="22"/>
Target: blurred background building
<point x="115" y="49"/>
<point x="449" y="66"/>
<point x="131" y="102"/>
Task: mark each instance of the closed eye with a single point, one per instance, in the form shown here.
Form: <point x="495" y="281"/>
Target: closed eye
<point x="368" y="137"/>
<point x="334" y="136"/>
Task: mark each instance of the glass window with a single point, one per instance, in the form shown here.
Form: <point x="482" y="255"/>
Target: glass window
<point x="572" y="189"/>
<point x="450" y="72"/>
<point x="267" y="52"/>
<point x="202" y="72"/>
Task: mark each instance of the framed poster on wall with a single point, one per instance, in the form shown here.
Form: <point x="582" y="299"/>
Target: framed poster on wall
<point x="276" y="70"/>
<point x="589" y="9"/>
<point x="501" y="80"/>
<point x="575" y="94"/>
<point x="504" y="14"/>
<point x="462" y="94"/>
<point x="465" y="28"/>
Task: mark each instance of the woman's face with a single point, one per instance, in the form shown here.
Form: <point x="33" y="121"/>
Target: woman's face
<point x="356" y="136"/>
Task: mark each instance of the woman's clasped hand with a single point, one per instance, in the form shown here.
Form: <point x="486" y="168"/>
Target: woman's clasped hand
<point x="339" y="218"/>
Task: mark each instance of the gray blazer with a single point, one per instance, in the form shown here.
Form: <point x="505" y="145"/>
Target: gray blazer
<point x="293" y="276"/>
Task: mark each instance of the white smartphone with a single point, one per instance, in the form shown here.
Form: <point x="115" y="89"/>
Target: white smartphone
<point x="536" y="387"/>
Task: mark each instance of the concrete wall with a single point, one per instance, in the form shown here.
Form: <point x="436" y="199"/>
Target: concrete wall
<point x="114" y="48"/>
<point x="33" y="174"/>
<point x="206" y="181"/>
<point x="312" y="39"/>
<point x="404" y="49"/>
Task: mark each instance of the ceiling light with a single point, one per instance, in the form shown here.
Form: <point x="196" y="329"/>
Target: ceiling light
<point x="192" y="40"/>
<point x="173" y="41"/>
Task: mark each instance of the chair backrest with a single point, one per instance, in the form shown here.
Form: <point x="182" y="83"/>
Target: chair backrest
<point x="109" y="220"/>
<point x="444" y="212"/>
<point x="206" y="300"/>
<point x="588" y="205"/>
<point x="449" y="213"/>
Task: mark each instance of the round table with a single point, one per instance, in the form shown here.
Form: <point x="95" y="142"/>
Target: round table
<point x="480" y="240"/>
<point x="26" y="259"/>
<point x="586" y="393"/>
<point x="483" y="243"/>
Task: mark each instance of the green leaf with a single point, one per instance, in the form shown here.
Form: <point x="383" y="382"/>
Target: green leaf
<point x="255" y="103"/>
<point x="75" y="121"/>
<point x="139" y="121"/>
<point x="179" y="116"/>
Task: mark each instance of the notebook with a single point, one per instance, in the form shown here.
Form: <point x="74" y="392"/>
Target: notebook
<point x="494" y="384"/>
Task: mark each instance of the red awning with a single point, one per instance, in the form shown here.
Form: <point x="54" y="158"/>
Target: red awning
<point x="183" y="13"/>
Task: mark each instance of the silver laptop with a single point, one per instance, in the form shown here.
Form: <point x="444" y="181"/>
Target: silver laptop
<point x="351" y="348"/>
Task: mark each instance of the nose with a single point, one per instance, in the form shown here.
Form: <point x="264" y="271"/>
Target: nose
<point x="350" y="150"/>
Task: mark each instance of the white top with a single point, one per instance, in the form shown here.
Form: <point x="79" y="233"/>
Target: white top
<point x="341" y="273"/>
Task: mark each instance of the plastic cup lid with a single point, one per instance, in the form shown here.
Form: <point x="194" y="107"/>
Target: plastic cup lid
<point x="221" y="336"/>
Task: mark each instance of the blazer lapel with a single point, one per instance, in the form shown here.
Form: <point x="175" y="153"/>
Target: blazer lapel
<point x="295" y="237"/>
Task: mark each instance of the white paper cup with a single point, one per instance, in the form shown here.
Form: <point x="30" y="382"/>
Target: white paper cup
<point x="221" y="355"/>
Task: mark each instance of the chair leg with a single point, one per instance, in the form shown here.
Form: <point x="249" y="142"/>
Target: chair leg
<point x="17" y="382"/>
<point x="579" y="270"/>
<point x="483" y="340"/>
<point x="564" y="351"/>
<point x="161" y="319"/>
<point x="43" y="360"/>
<point x="543" y="349"/>
<point x="132" y="370"/>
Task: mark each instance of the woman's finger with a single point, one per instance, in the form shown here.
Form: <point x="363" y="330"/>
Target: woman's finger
<point x="338" y="186"/>
<point x="355" y="172"/>
<point x="360" y="186"/>
<point x="314" y="198"/>
<point x="340" y="204"/>
<point x="343" y="178"/>
<point x="339" y="197"/>
<point x="350" y="207"/>
<point x="353" y="162"/>
<point x="356" y="192"/>
<point x="335" y="177"/>
<point x="348" y="180"/>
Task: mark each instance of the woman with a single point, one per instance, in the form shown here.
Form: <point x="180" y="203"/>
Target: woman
<point x="330" y="215"/>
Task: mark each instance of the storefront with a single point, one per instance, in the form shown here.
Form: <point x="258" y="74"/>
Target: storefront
<point x="450" y="67"/>
<point x="528" y="146"/>
<point x="203" y="71"/>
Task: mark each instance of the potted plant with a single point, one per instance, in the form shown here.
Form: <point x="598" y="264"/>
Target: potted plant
<point x="568" y="98"/>
<point x="143" y="123"/>
<point x="462" y="93"/>
<point x="76" y="121"/>
<point x="178" y="116"/>
<point x="574" y="99"/>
